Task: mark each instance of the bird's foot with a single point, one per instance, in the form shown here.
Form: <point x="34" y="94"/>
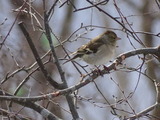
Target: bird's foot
<point x="98" y="71"/>
<point x="106" y="68"/>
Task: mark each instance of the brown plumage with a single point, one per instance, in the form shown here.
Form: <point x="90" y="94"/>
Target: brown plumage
<point x="103" y="43"/>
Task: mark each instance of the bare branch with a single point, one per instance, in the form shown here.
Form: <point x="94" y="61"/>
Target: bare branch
<point x="87" y="79"/>
<point x="61" y="72"/>
<point x="36" y="55"/>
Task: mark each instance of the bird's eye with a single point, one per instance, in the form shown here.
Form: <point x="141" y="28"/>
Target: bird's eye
<point x="113" y="36"/>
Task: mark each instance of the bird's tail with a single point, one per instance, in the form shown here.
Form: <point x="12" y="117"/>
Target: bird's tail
<point x="76" y="56"/>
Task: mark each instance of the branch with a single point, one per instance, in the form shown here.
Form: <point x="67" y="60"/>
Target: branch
<point x="88" y="79"/>
<point x="38" y="59"/>
<point x="99" y="3"/>
<point x="12" y="25"/>
<point x="156" y="105"/>
<point x="153" y="50"/>
<point x="44" y="112"/>
<point x="121" y="24"/>
<point x="61" y="72"/>
<point x="144" y="112"/>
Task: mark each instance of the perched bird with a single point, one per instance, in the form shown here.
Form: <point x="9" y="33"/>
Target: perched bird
<point x="99" y="50"/>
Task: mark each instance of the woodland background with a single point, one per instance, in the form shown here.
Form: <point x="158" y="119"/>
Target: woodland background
<point x="121" y="94"/>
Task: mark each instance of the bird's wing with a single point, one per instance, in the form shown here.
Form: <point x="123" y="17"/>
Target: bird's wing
<point x="79" y="53"/>
<point x="92" y="46"/>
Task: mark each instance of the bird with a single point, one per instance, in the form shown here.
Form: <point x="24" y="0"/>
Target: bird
<point x="100" y="50"/>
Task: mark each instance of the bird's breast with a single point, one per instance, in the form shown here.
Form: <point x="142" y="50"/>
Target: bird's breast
<point x="102" y="56"/>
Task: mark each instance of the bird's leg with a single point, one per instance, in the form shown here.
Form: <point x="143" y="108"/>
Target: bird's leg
<point x="106" y="68"/>
<point x="98" y="71"/>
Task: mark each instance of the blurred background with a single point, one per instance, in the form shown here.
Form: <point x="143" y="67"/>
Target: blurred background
<point x="133" y="80"/>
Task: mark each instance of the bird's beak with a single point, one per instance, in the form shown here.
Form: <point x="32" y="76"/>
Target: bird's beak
<point x="118" y="38"/>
